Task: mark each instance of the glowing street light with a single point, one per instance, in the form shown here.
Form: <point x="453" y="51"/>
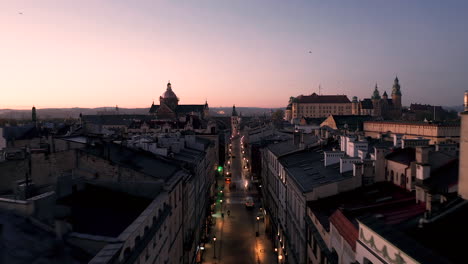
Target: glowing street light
<point x="214" y="247"/>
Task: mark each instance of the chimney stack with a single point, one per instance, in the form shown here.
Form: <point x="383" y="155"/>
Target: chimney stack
<point x="466" y="101"/>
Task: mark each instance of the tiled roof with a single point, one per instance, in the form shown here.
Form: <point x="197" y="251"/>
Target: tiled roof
<point x="322" y="99"/>
<point x="182" y="109"/>
<point x="123" y="120"/>
<point x="404" y="156"/>
<point x="367" y="104"/>
<point x="393" y="202"/>
<point x="349" y="232"/>
<point x="314" y="121"/>
<point x="306" y="168"/>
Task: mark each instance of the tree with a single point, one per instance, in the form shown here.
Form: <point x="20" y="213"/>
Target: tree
<point x="278" y="117"/>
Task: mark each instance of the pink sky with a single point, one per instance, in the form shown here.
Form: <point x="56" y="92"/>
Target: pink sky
<point x="92" y="53"/>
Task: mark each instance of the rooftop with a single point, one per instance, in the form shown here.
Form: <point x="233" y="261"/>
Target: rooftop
<point x="395" y="204"/>
<point x="322" y="99"/>
<point x="142" y="161"/>
<point x="101" y="211"/>
<point x="24" y="243"/>
<point x="288" y="146"/>
<point x="404" y="156"/>
<point x="419" y="123"/>
<point x="123" y="120"/>
<point x="407" y="244"/>
<point x="308" y="171"/>
<point x="444" y="236"/>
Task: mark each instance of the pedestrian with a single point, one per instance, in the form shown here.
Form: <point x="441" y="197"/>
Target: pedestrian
<point x="229" y="212"/>
<point x="222" y="215"/>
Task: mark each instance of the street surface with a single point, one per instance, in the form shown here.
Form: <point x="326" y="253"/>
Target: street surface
<point x="236" y="240"/>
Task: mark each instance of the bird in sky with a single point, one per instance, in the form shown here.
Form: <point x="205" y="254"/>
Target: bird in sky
<point x="20" y="13"/>
<point x="310" y="51"/>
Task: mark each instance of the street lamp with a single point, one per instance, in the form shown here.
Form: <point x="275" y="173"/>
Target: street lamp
<point x="258" y="226"/>
<point x="280" y="257"/>
<point x="214" y="247"/>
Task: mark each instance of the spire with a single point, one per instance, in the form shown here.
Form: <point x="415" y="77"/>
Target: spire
<point x="169" y="88"/>
<point x="396" y="87"/>
<point x="234" y="112"/>
<point x="376" y="94"/>
<point x="33" y="114"/>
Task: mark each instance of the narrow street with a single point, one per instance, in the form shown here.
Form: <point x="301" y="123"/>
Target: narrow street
<point x="236" y="240"/>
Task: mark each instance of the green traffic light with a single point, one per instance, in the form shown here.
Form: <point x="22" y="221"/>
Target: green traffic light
<point x="220" y="168"/>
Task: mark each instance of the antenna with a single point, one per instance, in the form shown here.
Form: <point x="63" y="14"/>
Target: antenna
<point x="320" y="89"/>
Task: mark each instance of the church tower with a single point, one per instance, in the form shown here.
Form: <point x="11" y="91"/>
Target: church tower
<point x="206" y="110"/>
<point x="235" y="120"/>
<point x="396" y="95"/>
<point x="376" y="102"/>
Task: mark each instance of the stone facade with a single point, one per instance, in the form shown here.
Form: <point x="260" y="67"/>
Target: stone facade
<point x="436" y="133"/>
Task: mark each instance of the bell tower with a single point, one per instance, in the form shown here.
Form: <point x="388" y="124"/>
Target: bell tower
<point x="396" y="95"/>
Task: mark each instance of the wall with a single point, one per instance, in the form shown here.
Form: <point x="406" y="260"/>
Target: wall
<point x="3" y="142"/>
<point x="463" y="176"/>
<point x="398" y="170"/>
<point x="435" y="133"/>
<point x="376" y="246"/>
<point x="320" y="110"/>
<point x="12" y="171"/>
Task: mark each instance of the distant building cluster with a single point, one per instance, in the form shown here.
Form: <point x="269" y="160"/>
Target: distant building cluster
<point x="353" y="188"/>
<point x="111" y="188"/>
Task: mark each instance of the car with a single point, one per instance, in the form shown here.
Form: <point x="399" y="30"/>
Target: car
<point x="227" y="179"/>
<point x="249" y="203"/>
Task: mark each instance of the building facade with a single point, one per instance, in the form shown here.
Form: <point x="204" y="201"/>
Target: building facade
<point x="380" y="106"/>
<point x="317" y="106"/>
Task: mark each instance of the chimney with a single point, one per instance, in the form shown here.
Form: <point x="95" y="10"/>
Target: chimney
<point x="466" y="101"/>
<point x="296" y="138"/>
<point x="422" y="154"/>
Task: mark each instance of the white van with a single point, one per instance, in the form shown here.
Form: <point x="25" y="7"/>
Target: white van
<point x="249" y="203"/>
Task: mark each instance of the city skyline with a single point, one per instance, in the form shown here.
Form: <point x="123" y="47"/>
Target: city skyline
<point x="87" y="54"/>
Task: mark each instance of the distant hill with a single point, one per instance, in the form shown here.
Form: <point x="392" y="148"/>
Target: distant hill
<point x="51" y="113"/>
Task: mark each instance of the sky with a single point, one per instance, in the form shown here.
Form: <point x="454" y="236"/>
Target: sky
<point x="92" y="53"/>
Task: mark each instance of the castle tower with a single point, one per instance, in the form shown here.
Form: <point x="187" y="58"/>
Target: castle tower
<point x="376" y="102"/>
<point x="355" y="106"/>
<point x="396" y="95"/>
<point x="385" y="95"/>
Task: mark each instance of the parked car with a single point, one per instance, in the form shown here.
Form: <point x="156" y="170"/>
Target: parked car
<point x="249" y="203"/>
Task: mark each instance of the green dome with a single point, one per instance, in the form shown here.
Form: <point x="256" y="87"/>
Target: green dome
<point x="376" y="94"/>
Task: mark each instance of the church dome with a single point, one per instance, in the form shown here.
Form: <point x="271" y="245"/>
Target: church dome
<point x="169" y="93"/>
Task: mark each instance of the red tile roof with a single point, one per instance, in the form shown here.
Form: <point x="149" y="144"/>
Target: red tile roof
<point x="322" y="99"/>
<point x="346" y="229"/>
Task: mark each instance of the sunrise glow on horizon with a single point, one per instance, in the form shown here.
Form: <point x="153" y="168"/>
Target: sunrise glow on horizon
<point x="248" y="53"/>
